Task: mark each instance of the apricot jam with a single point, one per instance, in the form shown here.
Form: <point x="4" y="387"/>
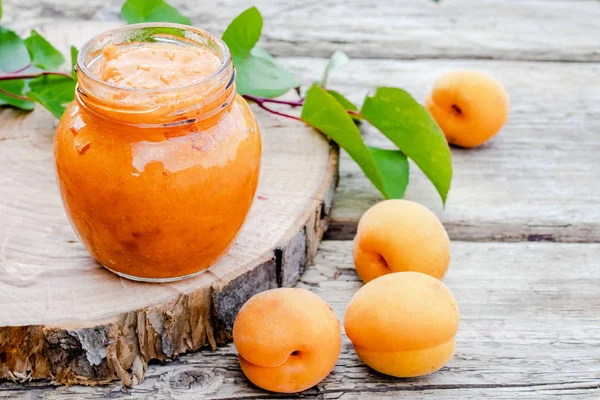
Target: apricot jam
<point x="157" y="158"/>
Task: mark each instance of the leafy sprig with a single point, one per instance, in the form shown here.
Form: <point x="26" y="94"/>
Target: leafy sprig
<point x="29" y="72"/>
<point x="391" y="110"/>
<point x="257" y="72"/>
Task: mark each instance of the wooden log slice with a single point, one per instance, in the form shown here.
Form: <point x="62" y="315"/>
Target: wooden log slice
<point x="64" y="317"/>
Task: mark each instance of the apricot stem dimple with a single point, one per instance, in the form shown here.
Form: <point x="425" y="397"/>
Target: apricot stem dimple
<point x="422" y="245"/>
<point x="295" y="353"/>
<point x="383" y="263"/>
<point x="457" y="109"/>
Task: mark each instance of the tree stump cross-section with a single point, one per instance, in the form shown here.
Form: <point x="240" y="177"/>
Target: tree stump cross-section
<point x="64" y="317"/>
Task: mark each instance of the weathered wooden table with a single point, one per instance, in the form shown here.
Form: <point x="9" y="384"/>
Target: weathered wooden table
<point x="523" y="211"/>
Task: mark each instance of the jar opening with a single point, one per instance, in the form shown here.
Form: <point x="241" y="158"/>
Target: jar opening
<point x="191" y="94"/>
<point x="176" y="34"/>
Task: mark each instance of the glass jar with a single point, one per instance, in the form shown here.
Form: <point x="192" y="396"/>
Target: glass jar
<point x="157" y="182"/>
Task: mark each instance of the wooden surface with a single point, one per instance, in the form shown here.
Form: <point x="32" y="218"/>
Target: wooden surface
<point x="63" y="316"/>
<point x="530" y="311"/>
<point x="559" y="30"/>
<point x="525" y="332"/>
<point x="495" y="195"/>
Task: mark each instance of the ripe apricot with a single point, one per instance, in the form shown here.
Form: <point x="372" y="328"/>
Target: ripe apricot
<point x="470" y="107"/>
<point x="400" y="235"/>
<point x="288" y="339"/>
<point x="403" y="324"/>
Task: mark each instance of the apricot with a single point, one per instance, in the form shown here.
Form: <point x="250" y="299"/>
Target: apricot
<point x="400" y="235"/>
<point x="288" y="339"/>
<point x="470" y="107"/>
<point x="403" y="324"/>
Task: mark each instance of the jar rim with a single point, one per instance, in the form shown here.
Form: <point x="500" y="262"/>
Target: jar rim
<point x="225" y="56"/>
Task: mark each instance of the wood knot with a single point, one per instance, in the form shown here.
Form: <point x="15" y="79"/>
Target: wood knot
<point x="541" y="237"/>
<point x="190" y="379"/>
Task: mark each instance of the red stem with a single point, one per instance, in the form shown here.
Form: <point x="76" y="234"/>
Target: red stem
<point x="21" y="69"/>
<point x="262" y="105"/>
<point x="7" y="77"/>
<point x="260" y="101"/>
<point x="14" y="96"/>
<point x="263" y="100"/>
<point x="355" y="113"/>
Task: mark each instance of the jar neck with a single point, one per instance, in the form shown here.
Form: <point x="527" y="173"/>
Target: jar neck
<point x="202" y="101"/>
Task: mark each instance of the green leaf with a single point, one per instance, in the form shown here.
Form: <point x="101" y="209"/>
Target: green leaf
<point x="0" y="9"/>
<point x="386" y="170"/>
<point x="348" y="105"/>
<point x="17" y="87"/>
<point x="13" y="53"/>
<point x="74" y="54"/>
<point x="393" y="166"/>
<point x="136" y="11"/>
<point x="410" y="127"/>
<point x="258" y="76"/>
<point x="42" y="54"/>
<point x="338" y="59"/>
<point x="257" y="72"/>
<point x="260" y="52"/>
<point x="243" y="33"/>
<point x="54" y="92"/>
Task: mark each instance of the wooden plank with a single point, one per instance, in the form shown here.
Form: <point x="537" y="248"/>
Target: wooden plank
<point x="538" y="179"/>
<point x="529" y="329"/>
<point x="559" y="30"/>
<point x="63" y="316"/>
<point x="195" y="380"/>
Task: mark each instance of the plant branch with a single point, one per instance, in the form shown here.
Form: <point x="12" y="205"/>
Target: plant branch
<point x="14" y="96"/>
<point x="260" y="101"/>
<point x="262" y="105"/>
<point x="354" y="113"/>
<point x="7" y="77"/>
<point x="263" y="100"/>
<point x="21" y="69"/>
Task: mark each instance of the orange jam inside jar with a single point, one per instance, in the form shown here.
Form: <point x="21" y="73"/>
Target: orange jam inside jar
<point x="157" y="158"/>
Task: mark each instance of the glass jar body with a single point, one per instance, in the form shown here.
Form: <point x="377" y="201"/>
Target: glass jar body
<point x="157" y="203"/>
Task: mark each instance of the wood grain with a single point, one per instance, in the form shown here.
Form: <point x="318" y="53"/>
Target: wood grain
<point x="529" y="328"/>
<point x="529" y="310"/>
<point x="558" y="30"/>
<point x="64" y="317"/>
<point x="523" y="185"/>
